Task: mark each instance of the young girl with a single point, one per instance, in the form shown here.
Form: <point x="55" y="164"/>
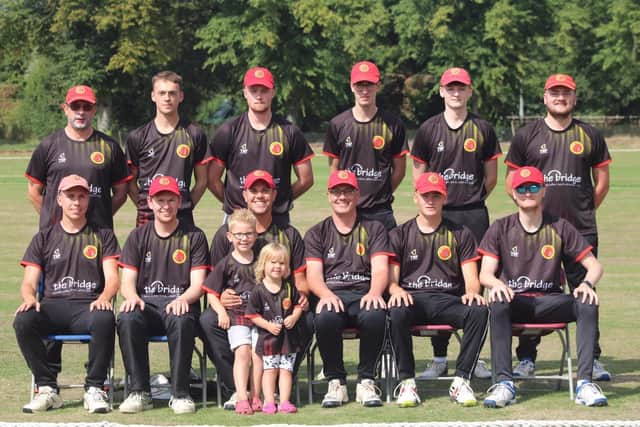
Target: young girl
<point x="235" y="271"/>
<point x="272" y="305"/>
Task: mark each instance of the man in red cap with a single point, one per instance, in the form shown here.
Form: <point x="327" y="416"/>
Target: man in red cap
<point x="168" y="145"/>
<point x="575" y="161"/>
<point x="434" y="279"/>
<point x="259" y="139"/>
<point x="164" y="264"/>
<point x="371" y="143"/>
<point x="522" y="260"/>
<point x="79" y="264"/>
<point x="348" y="271"/>
<point x="463" y="148"/>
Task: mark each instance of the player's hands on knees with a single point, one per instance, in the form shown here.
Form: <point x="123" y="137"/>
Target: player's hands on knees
<point x="500" y="293"/>
<point x="178" y="307"/>
<point x="224" y="322"/>
<point x="28" y="305"/>
<point x="331" y="302"/>
<point x="470" y="297"/>
<point x="274" y="328"/>
<point x="230" y="298"/>
<point x="588" y="294"/>
<point x="130" y="304"/>
<point x="369" y="301"/>
<point x="101" y="303"/>
<point x="400" y="298"/>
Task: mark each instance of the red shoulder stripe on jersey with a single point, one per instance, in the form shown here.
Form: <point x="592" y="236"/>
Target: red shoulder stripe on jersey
<point x="583" y="254"/>
<point x="209" y="291"/>
<point x="401" y="154"/>
<point x="308" y="158"/>
<point x="511" y="164"/>
<point x="328" y="154"/>
<point x="495" y="156"/>
<point x="394" y="261"/>
<point x="34" y="180"/>
<point x="418" y="159"/>
<point x="30" y="264"/>
<point x="201" y="267"/>
<point x="123" y="180"/>
<point x="387" y="254"/>
<point x="603" y="164"/>
<point x="217" y="160"/>
<point x="314" y="259"/>
<point x="127" y="266"/>
<point x="251" y="316"/>
<point x="300" y="269"/>
<point x="205" y="161"/>
<point x="474" y="259"/>
<point x="486" y="253"/>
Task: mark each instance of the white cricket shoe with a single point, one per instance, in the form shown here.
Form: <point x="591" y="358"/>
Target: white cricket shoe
<point x="460" y="392"/>
<point x="434" y="370"/>
<point x="482" y="371"/>
<point x="599" y="373"/>
<point x="47" y="398"/>
<point x="96" y="401"/>
<point x="336" y="395"/>
<point x="526" y="368"/>
<point x="137" y="401"/>
<point x="182" y="405"/>
<point x="407" y="394"/>
<point x="230" y="404"/>
<point x="500" y="395"/>
<point x="368" y="394"/>
<point x="590" y="394"/>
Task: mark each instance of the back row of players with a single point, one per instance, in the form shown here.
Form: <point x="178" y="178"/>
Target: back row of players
<point x="258" y="150"/>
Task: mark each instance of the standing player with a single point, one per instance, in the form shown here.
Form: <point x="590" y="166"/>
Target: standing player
<point x="259" y="139"/>
<point x="570" y="153"/>
<point x="164" y="264"/>
<point x="348" y="270"/>
<point x="167" y="146"/>
<point x="463" y="148"/>
<point x="371" y="143"/>
<point x="434" y="279"/>
<point x="79" y="263"/>
<point x="522" y="258"/>
<point x="78" y="149"/>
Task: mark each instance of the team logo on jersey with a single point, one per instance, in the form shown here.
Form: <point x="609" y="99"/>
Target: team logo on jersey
<point x="360" y="249"/>
<point x="62" y="158"/>
<point x="348" y="143"/>
<point x="97" y="157"/>
<point x="243" y="149"/>
<point x="183" y="151"/>
<point x="179" y="256"/>
<point x="276" y="148"/>
<point x="444" y="253"/>
<point x="331" y="253"/>
<point x="470" y="145"/>
<point x="378" y="142"/>
<point x="286" y="303"/>
<point x="413" y="255"/>
<point x="440" y="147"/>
<point x="514" y="252"/>
<point x="90" y="252"/>
<point x="547" y="251"/>
<point x="543" y="149"/>
<point x="147" y="257"/>
<point x="576" y="147"/>
<point x="56" y="254"/>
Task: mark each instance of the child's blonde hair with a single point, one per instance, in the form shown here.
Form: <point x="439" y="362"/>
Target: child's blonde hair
<point x="244" y="216"/>
<point x="269" y="252"/>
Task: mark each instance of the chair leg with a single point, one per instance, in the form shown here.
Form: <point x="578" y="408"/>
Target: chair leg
<point x="569" y="363"/>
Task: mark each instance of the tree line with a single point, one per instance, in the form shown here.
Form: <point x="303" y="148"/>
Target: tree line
<point x="509" y="47"/>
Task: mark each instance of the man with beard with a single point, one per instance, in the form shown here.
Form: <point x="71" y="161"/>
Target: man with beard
<point x="570" y="153"/>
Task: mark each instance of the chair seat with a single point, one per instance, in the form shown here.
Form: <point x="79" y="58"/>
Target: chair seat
<point x="430" y="330"/>
<point x="540" y="329"/>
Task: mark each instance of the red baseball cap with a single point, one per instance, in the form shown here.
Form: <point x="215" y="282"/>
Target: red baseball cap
<point x="164" y="183"/>
<point x="431" y="182"/>
<point x="459" y="75"/>
<point x="80" y="93"/>
<point x="365" y="71"/>
<point x="341" y="177"/>
<point x="564" y="80"/>
<point x="258" y="175"/>
<point x="527" y="175"/>
<point x="72" y="181"/>
<point x="259" y="76"/>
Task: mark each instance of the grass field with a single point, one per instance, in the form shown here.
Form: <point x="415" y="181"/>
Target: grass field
<point x="619" y="245"/>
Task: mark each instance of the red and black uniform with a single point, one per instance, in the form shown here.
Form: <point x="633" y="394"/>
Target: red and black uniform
<point x="531" y="265"/>
<point x="346" y="261"/>
<point x="164" y="265"/>
<point x="99" y="160"/>
<point x="274" y="308"/>
<point x="231" y="273"/>
<point x="431" y="270"/>
<point x="72" y="265"/>
<point x="174" y="154"/>
<point x="367" y="149"/>
<point x="242" y="149"/>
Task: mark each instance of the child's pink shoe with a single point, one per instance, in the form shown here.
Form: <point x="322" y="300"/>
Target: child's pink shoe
<point x="287" y="408"/>
<point x="243" y="407"/>
<point x="256" y="404"/>
<point x="269" y="408"/>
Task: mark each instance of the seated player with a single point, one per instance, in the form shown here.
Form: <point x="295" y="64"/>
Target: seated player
<point x="164" y="263"/>
<point x="522" y="257"/>
<point x="434" y="279"/>
<point x="79" y="264"/>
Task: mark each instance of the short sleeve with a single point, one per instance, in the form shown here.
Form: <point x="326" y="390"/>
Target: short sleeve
<point x="300" y="148"/>
<point x="220" y="144"/>
<point x="313" y="243"/>
<point x="297" y="251"/>
<point x="131" y="253"/>
<point x="37" y="168"/>
<point x="133" y="149"/>
<point x="34" y="254"/>
<point x="516" y="157"/>
<point x="199" y="251"/>
<point x="600" y="155"/>
<point x="254" y="305"/>
<point x="491" y="147"/>
<point x="215" y="280"/>
<point x="220" y="245"/>
<point x="395" y="245"/>
<point x="111" y="248"/>
<point x="574" y="246"/>
<point x="400" y="145"/>
<point x="119" y="169"/>
<point x="490" y="245"/>
<point x="200" y="145"/>
<point x="467" y="247"/>
<point x="420" y="149"/>
<point x="379" y="240"/>
<point x="330" y="147"/>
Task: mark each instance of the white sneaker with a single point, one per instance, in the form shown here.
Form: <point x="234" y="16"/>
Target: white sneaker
<point x="500" y="395"/>
<point x="599" y="373"/>
<point x="368" y="394"/>
<point x="482" y="371"/>
<point x="230" y="404"/>
<point x="320" y="375"/>
<point x="434" y="370"/>
<point x="96" y="401"/>
<point x="407" y="394"/>
<point x="590" y="394"/>
<point x="526" y="368"/>
<point x="336" y="395"/>
<point x="182" y="405"/>
<point x="460" y="392"/>
<point x="137" y="401"/>
<point x="47" y="398"/>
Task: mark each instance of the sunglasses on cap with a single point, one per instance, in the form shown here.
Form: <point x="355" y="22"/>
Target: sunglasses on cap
<point x="528" y="188"/>
<point x="84" y="106"/>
